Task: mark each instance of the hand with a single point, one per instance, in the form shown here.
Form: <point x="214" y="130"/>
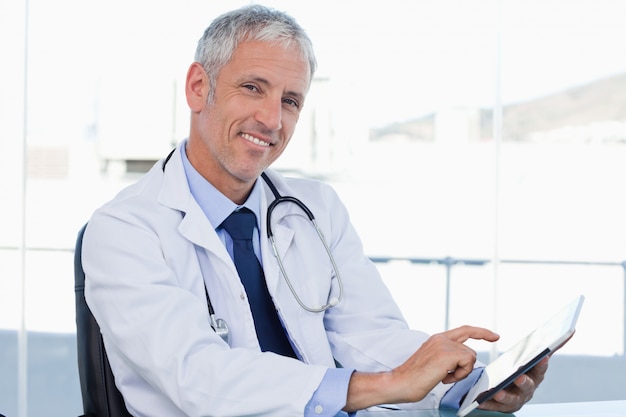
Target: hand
<point x="513" y="397"/>
<point x="442" y="358"/>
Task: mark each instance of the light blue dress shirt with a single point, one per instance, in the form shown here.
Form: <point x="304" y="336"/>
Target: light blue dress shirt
<point x="453" y="398"/>
<point x="330" y="396"/>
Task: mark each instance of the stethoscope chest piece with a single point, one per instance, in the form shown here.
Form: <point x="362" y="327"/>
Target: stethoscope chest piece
<point x="221" y="328"/>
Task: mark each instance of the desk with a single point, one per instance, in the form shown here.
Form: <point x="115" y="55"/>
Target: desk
<point x="587" y="409"/>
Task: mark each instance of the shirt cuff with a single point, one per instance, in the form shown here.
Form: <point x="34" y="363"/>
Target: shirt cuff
<point x="330" y="396"/>
<point x="455" y="395"/>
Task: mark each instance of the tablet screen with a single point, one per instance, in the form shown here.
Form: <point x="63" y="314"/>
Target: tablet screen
<point x="525" y="354"/>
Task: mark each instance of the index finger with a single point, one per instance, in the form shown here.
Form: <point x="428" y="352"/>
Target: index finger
<point x="463" y="333"/>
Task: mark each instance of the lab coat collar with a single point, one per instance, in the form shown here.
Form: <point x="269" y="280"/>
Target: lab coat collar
<point x="176" y="195"/>
<point x="194" y="225"/>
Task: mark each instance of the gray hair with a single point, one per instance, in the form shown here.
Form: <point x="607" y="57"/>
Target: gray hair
<point x="254" y="22"/>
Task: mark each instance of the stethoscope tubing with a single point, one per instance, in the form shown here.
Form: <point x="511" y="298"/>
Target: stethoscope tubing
<point x="219" y="325"/>
<point x="278" y="199"/>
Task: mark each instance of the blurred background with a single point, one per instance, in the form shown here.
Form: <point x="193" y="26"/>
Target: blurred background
<point x="480" y="146"/>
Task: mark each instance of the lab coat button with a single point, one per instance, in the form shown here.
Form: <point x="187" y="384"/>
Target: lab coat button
<point x="319" y="409"/>
<point x="242" y="296"/>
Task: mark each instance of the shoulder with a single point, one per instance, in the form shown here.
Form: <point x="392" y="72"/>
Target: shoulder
<point x="139" y="203"/>
<point x="140" y="192"/>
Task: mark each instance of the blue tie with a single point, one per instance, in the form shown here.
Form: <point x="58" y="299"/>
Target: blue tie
<point x="240" y="225"/>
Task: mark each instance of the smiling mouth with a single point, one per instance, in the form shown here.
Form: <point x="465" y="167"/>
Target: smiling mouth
<point x="254" y="140"/>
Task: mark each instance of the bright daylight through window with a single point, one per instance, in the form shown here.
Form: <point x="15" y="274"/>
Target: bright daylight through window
<point x="479" y="146"/>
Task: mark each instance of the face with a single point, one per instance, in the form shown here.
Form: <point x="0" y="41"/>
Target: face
<point x="257" y="101"/>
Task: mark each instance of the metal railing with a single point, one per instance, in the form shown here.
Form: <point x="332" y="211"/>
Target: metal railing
<point x="448" y="263"/>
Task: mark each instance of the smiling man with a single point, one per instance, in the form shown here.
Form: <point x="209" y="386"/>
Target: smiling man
<point x="202" y="315"/>
<point x="248" y="120"/>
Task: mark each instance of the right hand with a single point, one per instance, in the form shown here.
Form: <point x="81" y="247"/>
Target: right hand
<point x="442" y="358"/>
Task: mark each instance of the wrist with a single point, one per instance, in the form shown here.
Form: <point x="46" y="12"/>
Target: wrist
<point x="369" y="389"/>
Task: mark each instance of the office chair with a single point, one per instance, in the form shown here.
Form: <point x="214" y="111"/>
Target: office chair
<point x="101" y="397"/>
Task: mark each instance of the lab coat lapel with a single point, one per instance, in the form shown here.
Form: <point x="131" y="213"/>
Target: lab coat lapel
<point x="194" y="225"/>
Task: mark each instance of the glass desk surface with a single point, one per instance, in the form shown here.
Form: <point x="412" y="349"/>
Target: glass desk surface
<point x="583" y="409"/>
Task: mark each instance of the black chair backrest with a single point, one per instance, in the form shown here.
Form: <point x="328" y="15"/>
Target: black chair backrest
<point x="101" y="397"/>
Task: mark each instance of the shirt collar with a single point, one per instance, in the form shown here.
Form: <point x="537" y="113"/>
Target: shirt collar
<point x="215" y="205"/>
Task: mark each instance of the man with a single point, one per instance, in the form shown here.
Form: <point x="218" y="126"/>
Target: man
<point x="161" y="251"/>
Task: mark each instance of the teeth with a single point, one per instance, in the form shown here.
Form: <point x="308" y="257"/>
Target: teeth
<point x="254" y="140"/>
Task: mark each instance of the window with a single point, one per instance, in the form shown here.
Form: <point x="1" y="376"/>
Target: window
<point x="492" y="134"/>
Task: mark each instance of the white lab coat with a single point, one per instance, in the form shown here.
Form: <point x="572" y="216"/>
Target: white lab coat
<point x="144" y="253"/>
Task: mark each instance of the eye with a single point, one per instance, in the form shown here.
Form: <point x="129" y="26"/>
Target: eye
<point x="251" y="87"/>
<point x="291" y="102"/>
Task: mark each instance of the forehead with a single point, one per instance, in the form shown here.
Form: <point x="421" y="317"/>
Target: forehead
<point x="273" y="62"/>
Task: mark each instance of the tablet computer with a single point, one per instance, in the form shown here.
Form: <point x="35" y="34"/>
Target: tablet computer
<point x="525" y="354"/>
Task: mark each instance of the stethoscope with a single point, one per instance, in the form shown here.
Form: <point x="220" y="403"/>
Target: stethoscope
<point x="219" y="325"/>
<point x="332" y="301"/>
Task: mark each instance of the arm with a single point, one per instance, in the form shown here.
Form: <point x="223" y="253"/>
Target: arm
<point x="148" y="297"/>
<point x="367" y="331"/>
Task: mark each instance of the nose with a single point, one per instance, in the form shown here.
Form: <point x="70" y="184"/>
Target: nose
<point x="270" y="114"/>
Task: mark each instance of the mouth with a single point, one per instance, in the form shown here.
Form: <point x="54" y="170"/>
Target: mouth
<point x="254" y="140"/>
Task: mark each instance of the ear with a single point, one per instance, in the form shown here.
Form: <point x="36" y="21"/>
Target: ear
<point x="196" y="87"/>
